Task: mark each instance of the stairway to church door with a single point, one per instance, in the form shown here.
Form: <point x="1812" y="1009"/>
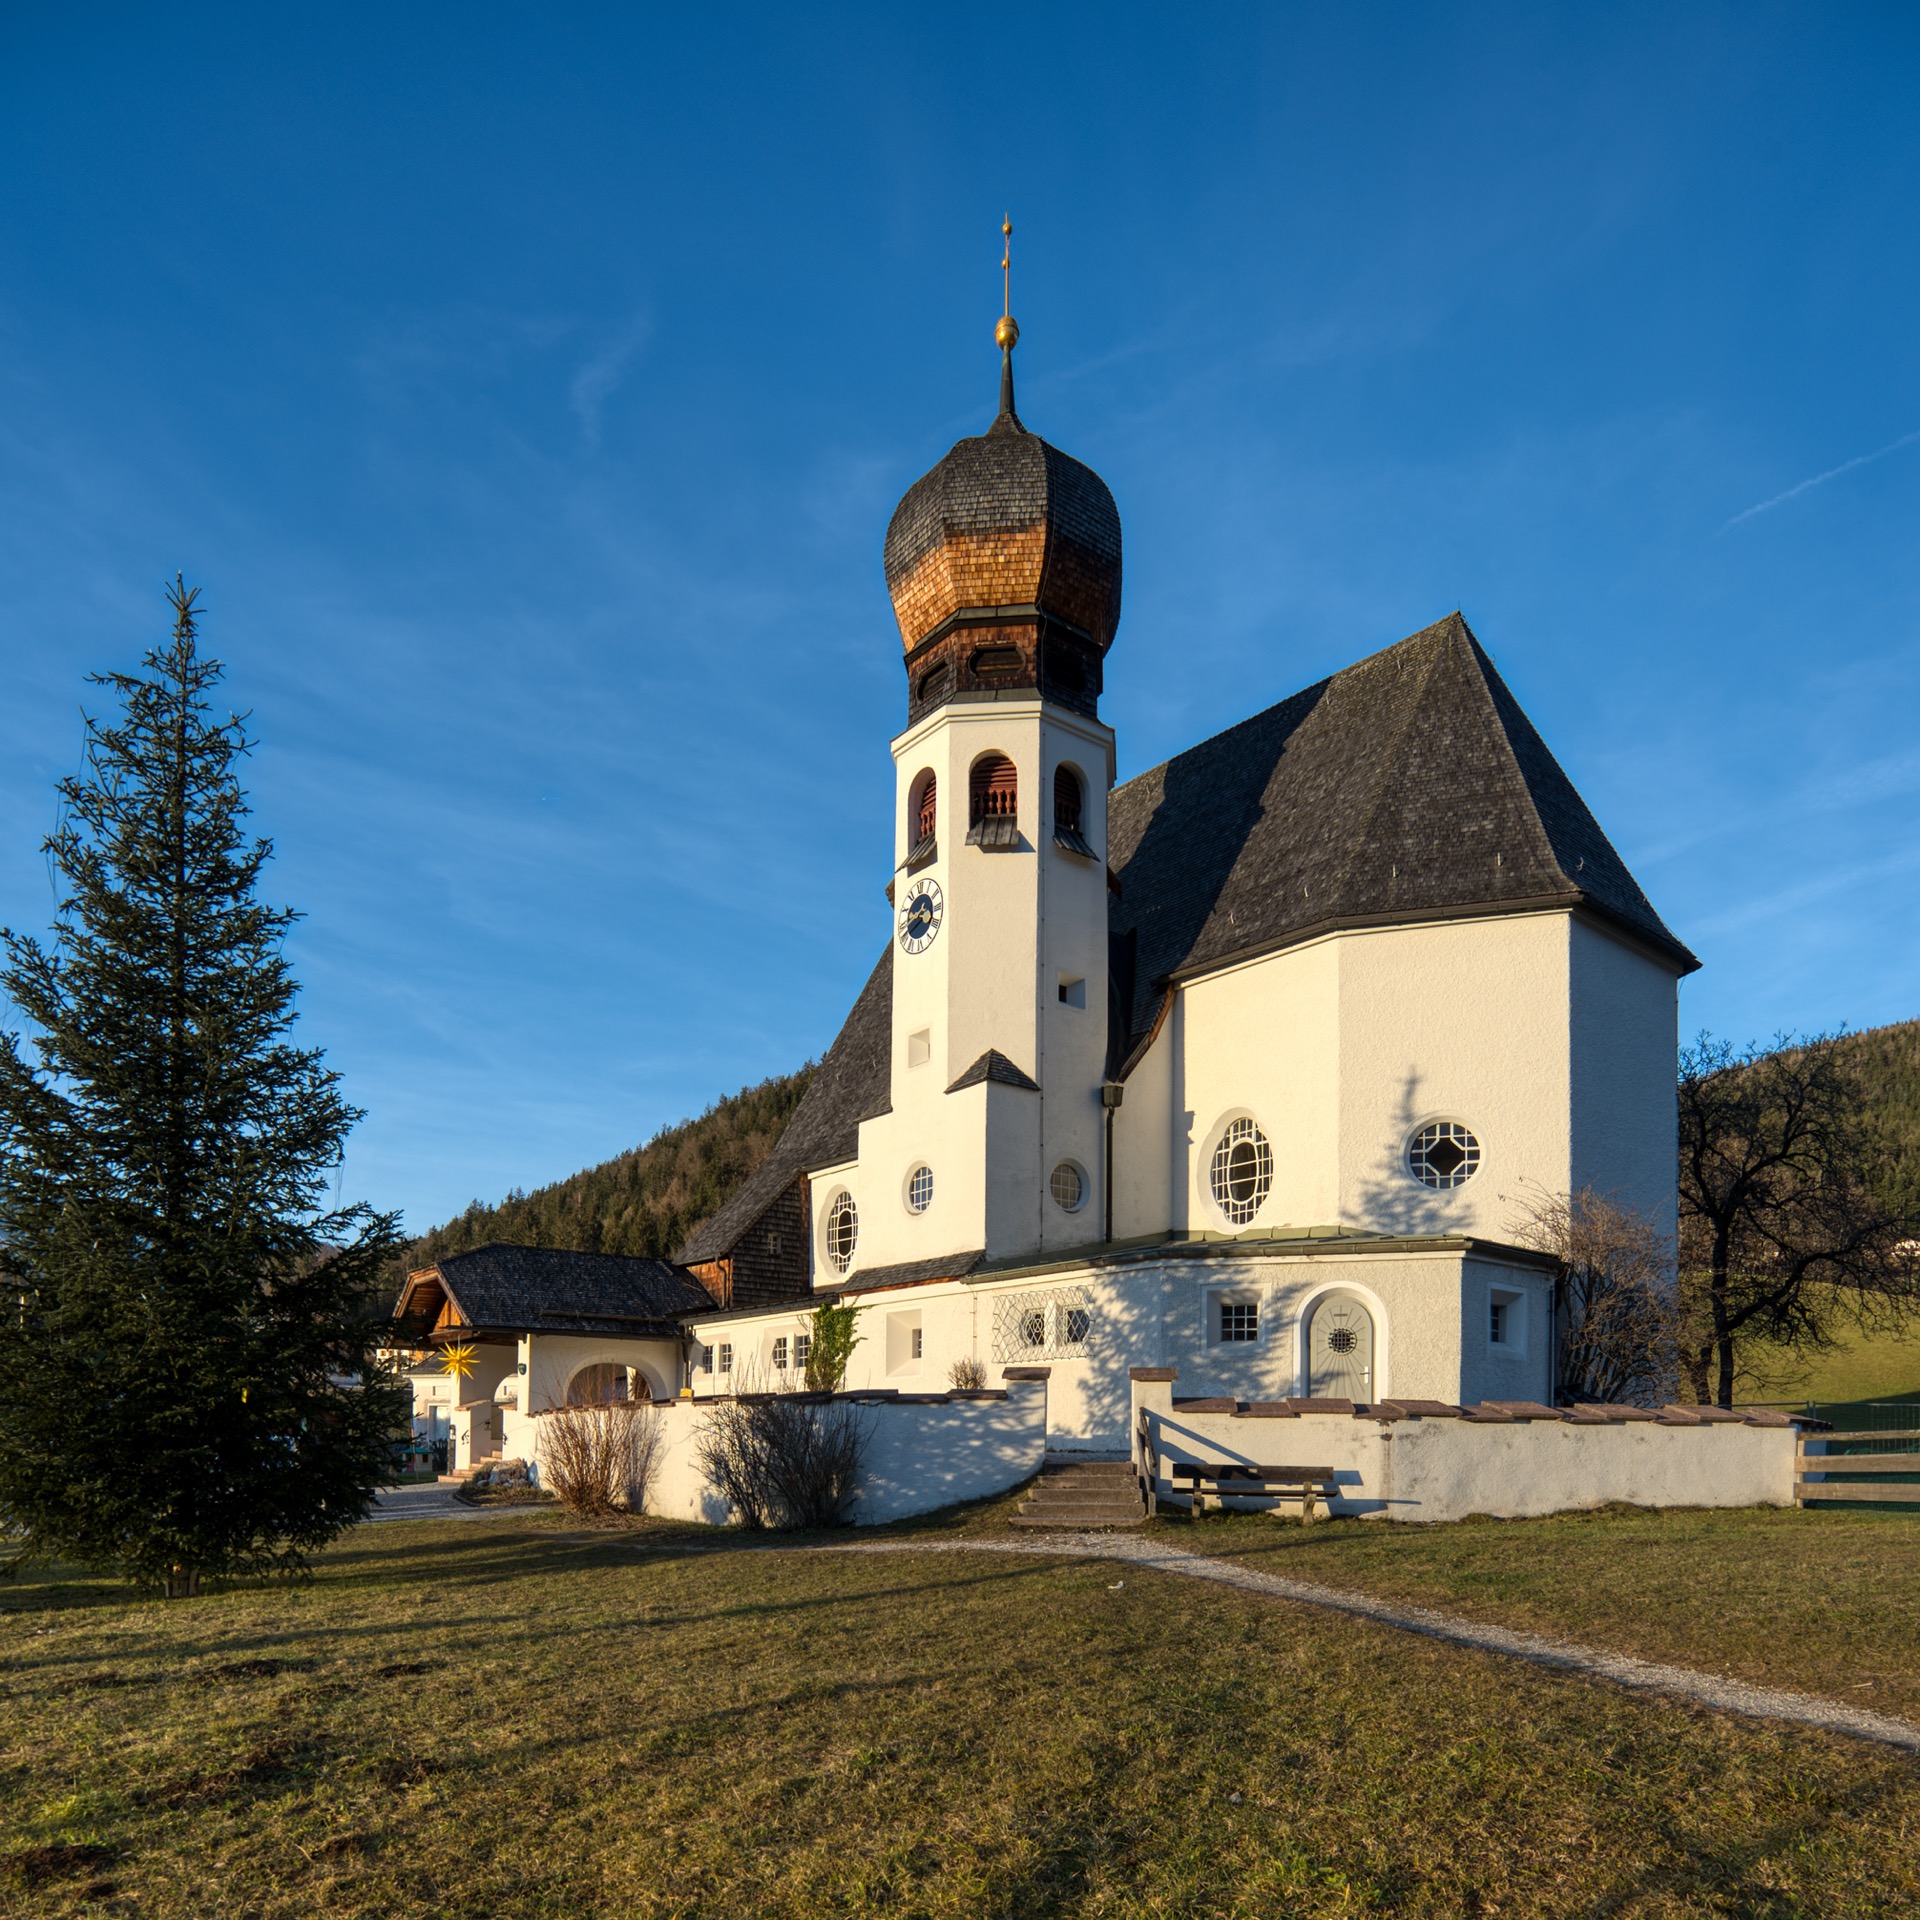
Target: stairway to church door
<point x="1340" y="1350"/>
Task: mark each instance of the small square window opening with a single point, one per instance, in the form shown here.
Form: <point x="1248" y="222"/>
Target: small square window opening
<point x="1073" y="993"/>
<point x="1239" y="1320"/>
<point x="920" y="1047"/>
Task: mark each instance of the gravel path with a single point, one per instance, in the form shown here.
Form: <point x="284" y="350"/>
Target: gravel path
<point x="1642" y="1676"/>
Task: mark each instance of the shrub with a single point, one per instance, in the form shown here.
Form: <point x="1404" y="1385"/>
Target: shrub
<point x="599" y="1460"/>
<point x="785" y="1460"/>
<point x="833" y="1343"/>
<point x="967" y="1374"/>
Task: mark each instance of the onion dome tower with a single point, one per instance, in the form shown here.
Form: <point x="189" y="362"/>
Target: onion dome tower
<point x="1003" y="564"/>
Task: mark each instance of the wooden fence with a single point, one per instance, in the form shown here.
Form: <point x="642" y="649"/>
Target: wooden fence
<point x="1876" y="1465"/>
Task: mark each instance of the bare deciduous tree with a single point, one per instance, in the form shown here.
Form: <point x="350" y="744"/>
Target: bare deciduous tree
<point x="599" y="1459"/>
<point x="1614" y="1307"/>
<point x="968" y="1374"/>
<point x="1780" y="1235"/>
<point x="785" y="1459"/>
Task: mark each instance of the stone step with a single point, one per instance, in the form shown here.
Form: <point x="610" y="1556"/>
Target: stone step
<point x="1067" y="1519"/>
<point x="1089" y="1503"/>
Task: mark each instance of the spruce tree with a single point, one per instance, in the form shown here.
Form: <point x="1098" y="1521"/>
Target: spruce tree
<point x="190" y="1381"/>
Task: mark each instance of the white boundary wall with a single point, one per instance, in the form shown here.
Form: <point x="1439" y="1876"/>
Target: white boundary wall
<point x="1433" y="1468"/>
<point x="922" y="1452"/>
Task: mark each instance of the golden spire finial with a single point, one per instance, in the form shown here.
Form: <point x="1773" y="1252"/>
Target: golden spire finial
<point x="1007" y="329"/>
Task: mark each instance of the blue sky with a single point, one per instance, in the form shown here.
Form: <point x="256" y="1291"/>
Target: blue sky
<point x="528" y="389"/>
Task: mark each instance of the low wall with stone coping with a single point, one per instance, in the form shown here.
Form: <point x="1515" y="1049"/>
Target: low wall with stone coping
<point x="1424" y="1461"/>
<point x="923" y="1451"/>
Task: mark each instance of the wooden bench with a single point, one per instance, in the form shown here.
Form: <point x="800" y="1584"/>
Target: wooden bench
<point x="1310" y="1484"/>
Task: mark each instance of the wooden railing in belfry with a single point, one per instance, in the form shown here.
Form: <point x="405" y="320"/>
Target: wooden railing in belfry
<point x="1861" y="1470"/>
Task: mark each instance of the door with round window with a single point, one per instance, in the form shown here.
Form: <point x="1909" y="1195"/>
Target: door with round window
<point x="1340" y="1350"/>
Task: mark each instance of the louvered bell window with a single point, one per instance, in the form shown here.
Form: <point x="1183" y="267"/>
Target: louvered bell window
<point x="994" y="805"/>
<point x="1068" y="821"/>
<point x="921" y="822"/>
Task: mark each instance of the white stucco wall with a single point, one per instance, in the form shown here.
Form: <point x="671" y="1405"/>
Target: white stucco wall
<point x="1551" y="1040"/>
<point x="1430" y="1312"/>
<point x="1626" y="1039"/>
<point x="920" y="1454"/>
<point x="1446" y="1469"/>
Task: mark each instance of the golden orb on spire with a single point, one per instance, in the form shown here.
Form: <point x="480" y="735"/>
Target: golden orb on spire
<point x="1006" y="331"/>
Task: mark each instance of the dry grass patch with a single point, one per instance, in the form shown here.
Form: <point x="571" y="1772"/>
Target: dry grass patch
<point x="518" y="1720"/>
<point x="1825" y="1603"/>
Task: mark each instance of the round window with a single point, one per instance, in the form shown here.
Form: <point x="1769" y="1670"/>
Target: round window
<point x="843" y="1231"/>
<point x="1068" y="1185"/>
<point x="1443" y="1155"/>
<point x="920" y="1189"/>
<point x="1242" y="1171"/>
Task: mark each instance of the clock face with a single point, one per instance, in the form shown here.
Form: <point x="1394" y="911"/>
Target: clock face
<point x="920" y="915"/>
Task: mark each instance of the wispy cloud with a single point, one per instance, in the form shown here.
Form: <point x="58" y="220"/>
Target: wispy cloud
<point x="1821" y="479"/>
<point x="598" y="376"/>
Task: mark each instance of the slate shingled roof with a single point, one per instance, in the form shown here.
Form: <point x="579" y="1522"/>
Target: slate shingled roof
<point x="995" y="1066"/>
<point x="853" y="1083"/>
<point x="508" y="1289"/>
<point x="1409" y="786"/>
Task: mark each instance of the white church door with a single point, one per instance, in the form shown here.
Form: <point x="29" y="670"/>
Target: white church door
<point x="1340" y="1350"/>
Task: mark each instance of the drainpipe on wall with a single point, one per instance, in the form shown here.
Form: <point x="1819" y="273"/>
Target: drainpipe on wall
<point x="1112" y="1092"/>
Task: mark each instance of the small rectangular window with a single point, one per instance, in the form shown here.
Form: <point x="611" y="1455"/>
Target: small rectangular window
<point x="1073" y="993"/>
<point x="920" y="1047"/>
<point x="1507" y="1320"/>
<point x="1498" y="1332"/>
<point x="916" y="1343"/>
<point x="706" y="1359"/>
<point x="726" y="1356"/>
<point x="780" y="1354"/>
<point x="802" y="1346"/>
<point x="1239" y="1320"/>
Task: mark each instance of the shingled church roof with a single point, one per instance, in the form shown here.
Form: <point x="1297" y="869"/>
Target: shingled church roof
<point x="1408" y="787"/>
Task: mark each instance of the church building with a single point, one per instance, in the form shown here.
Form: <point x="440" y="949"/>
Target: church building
<point x="1248" y="1067"/>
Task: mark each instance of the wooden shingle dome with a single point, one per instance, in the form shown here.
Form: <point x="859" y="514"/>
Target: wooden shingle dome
<point x="1003" y="564"/>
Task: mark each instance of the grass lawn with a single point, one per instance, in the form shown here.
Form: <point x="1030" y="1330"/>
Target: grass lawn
<point x="1860" y="1366"/>
<point x="508" y="1717"/>
<point x="1825" y="1603"/>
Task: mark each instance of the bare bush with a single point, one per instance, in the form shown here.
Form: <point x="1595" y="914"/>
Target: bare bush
<point x="968" y="1374"/>
<point x="785" y="1459"/>
<point x="1614" y="1305"/>
<point x="599" y="1460"/>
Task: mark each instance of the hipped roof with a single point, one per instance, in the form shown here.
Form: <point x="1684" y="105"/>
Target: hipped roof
<point x="515" y="1290"/>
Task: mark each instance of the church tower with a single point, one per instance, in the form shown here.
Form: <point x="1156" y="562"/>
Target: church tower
<point x="1003" y="564"/>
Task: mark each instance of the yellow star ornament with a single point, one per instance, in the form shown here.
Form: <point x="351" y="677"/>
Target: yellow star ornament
<point x="458" y="1360"/>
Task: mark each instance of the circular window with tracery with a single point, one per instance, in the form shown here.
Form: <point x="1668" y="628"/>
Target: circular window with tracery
<point x="1443" y="1155"/>
<point x="843" y="1231"/>
<point x="1242" y="1171"/>
<point x="1068" y="1185"/>
<point x="920" y="1189"/>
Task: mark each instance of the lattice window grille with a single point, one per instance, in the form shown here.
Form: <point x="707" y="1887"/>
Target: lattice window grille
<point x="1242" y="1172"/>
<point x="1053" y="1324"/>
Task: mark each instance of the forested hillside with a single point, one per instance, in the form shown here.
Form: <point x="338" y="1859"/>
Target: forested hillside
<point x="645" y="1201"/>
<point x="1888" y="1059"/>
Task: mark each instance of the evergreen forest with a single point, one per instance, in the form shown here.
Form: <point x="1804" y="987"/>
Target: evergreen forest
<point x="645" y="1201"/>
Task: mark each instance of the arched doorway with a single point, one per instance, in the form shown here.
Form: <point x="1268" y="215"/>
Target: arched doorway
<point x="1340" y="1349"/>
<point x="606" y="1385"/>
